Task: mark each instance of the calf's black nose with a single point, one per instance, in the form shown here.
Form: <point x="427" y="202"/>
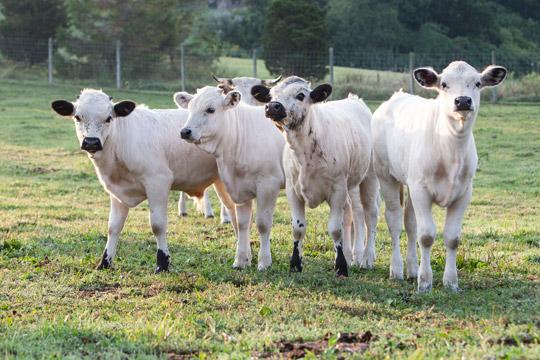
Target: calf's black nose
<point x="463" y="103"/>
<point x="275" y="110"/>
<point x="185" y="133"/>
<point x="91" y="144"/>
<point x="274" y="106"/>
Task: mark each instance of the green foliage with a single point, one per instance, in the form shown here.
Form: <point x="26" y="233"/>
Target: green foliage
<point x="295" y="38"/>
<point x="150" y="33"/>
<point x="243" y="27"/>
<point x="364" y="25"/>
<point x="25" y="26"/>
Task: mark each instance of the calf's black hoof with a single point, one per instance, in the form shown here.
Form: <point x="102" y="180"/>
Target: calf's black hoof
<point x="163" y="262"/>
<point x="105" y="262"/>
<point x="341" y="264"/>
<point x="296" y="260"/>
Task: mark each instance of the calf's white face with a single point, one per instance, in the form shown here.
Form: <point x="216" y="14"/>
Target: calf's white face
<point x="459" y="86"/>
<point x="93" y="113"/>
<point x="290" y="100"/>
<point x="206" y="110"/>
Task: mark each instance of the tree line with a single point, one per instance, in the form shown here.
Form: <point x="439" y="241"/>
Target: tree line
<point x="286" y="31"/>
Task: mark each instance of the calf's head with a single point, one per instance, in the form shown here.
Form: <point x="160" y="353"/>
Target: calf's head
<point x="244" y="86"/>
<point x="206" y="112"/>
<point x="93" y="113"/>
<point x="288" y="103"/>
<point x="459" y="86"/>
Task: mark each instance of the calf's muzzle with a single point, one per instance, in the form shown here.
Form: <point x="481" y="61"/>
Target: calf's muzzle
<point x="91" y="144"/>
<point x="275" y="111"/>
<point x="463" y="103"/>
<point x="185" y="133"/>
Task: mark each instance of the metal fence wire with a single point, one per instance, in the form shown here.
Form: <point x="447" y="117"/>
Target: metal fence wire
<point x="372" y="74"/>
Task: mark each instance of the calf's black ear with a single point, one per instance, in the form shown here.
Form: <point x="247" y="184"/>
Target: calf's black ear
<point x="493" y="75"/>
<point x="321" y="93"/>
<point x="63" y="107"/>
<point x="426" y="77"/>
<point x="124" y="108"/>
<point x="261" y="93"/>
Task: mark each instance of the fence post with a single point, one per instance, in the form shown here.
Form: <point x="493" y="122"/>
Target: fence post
<point x="118" y="66"/>
<point x="254" y="55"/>
<point x="494" y="88"/>
<point x="50" y="60"/>
<point x="331" y="65"/>
<point x="411" y="75"/>
<point x="182" y="68"/>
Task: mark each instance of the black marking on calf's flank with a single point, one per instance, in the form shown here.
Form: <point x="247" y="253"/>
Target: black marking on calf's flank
<point x="162" y="261"/>
<point x="341" y="263"/>
<point x="105" y="262"/>
<point x="296" y="260"/>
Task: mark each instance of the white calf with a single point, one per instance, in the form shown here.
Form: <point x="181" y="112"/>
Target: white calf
<point x="428" y="145"/>
<point x="327" y="157"/>
<point x="248" y="151"/>
<point x="243" y="85"/>
<point x="137" y="155"/>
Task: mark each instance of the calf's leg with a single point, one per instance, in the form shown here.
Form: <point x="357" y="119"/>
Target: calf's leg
<point x="226" y="202"/>
<point x="243" y="247"/>
<point x="118" y="213"/>
<point x="266" y="203"/>
<point x="390" y="189"/>
<point x="349" y="233"/>
<point x="426" y="231"/>
<point x="410" y="228"/>
<point x="157" y="202"/>
<point x="369" y="197"/>
<point x="335" y="228"/>
<point x="182" y="199"/>
<point x="359" y="226"/>
<point x="298" y="213"/>
<point x="452" y="237"/>
<point x="224" y="215"/>
<point x="208" y="211"/>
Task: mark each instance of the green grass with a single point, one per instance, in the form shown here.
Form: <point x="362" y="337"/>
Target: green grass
<point x="53" y="225"/>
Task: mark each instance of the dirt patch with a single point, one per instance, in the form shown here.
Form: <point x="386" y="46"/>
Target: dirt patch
<point x="98" y="290"/>
<point x="525" y="339"/>
<point x="343" y="343"/>
<point x="181" y="355"/>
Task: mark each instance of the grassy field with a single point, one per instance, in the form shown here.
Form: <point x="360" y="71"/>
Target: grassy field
<point x="53" y="225"/>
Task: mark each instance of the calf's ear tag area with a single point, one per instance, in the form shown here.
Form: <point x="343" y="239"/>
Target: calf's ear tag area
<point x="63" y="107"/>
<point x="261" y="93"/>
<point x="124" y="108"/>
<point x="321" y="93"/>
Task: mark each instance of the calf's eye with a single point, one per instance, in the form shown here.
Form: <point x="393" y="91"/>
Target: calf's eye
<point x="478" y="84"/>
<point x="444" y="85"/>
<point x="210" y="110"/>
<point x="300" y="97"/>
<point x="77" y="118"/>
<point x="108" y="119"/>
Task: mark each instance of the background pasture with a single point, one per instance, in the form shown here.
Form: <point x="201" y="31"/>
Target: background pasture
<point x="53" y="225"/>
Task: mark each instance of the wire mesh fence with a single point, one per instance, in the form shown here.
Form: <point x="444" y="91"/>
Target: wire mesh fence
<point x="372" y="74"/>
